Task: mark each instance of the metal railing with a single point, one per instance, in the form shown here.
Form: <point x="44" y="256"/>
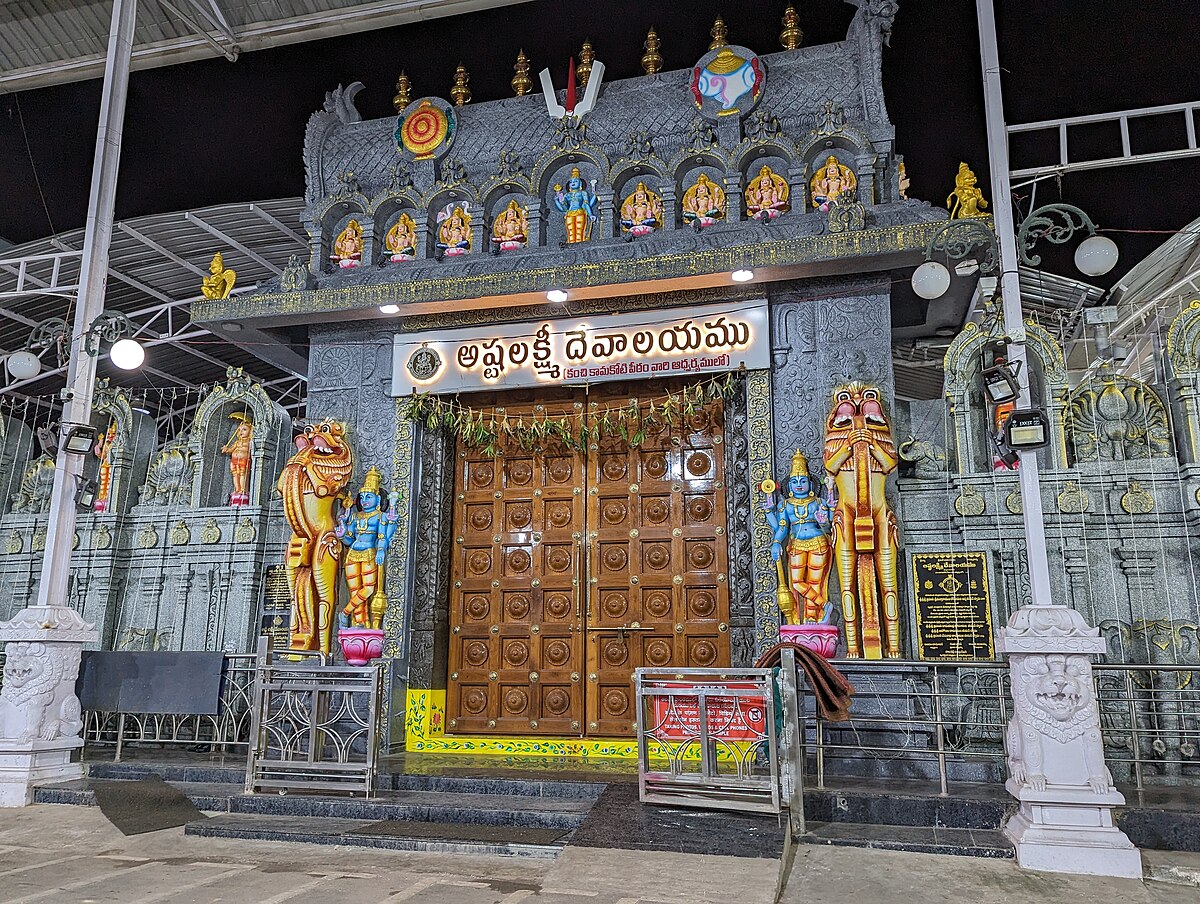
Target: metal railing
<point x="946" y="721"/>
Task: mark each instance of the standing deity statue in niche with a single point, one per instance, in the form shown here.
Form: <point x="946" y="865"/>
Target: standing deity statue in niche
<point x="902" y="181"/>
<point x="767" y="195"/>
<point x="829" y="182"/>
<point x="103" y="450"/>
<point x="703" y="203"/>
<point x="966" y="201"/>
<point x="311" y="483"/>
<point x="859" y="455"/>
<point x="510" y="232"/>
<point x="219" y="282"/>
<point x="239" y="448"/>
<point x="401" y="240"/>
<point x="800" y="547"/>
<point x="642" y="212"/>
<point x="367" y="534"/>
<point x="454" y="233"/>
<point x="578" y="207"/>
<point x="348" y="246"/>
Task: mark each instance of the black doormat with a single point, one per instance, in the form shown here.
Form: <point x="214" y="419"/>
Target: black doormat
<point x="146" y="805"/>
<point x="446" y="831"/>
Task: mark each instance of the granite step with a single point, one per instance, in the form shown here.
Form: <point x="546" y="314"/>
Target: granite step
<point x="914" y="839"/>
<point x="422" y="806"/>
<point x="404" y="835"/>
<point x="914" y="804"/>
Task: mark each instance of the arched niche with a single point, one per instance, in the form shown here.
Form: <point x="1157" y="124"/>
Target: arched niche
<point x="555" y="169"/>
<point x="134" y="439"/>
<point x="387" y="212"/>
<point x="624" y="178"/>
<point x="853" y="149"/>
<point x="329" y="219"/>
<point x="213" y="426"/>
<point x="969" y="414"/>
<point x="780" y="158"/>
<point x="16" y="452"/>
<point x="460" y="195"/>
<point x="1183" y="355"/>
<point x="496" y="199"/>
<point x="685" y="169"/>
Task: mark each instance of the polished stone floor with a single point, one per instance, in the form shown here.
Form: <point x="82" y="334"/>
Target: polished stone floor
<point x="72" y="855"/>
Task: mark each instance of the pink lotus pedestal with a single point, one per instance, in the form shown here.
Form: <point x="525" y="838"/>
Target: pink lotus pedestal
<point x="361" y="645"/>
<point x="821" y="639"/>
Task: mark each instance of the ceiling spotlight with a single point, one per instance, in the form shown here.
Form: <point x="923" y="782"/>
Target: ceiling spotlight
<point x="558" y="296"/>
<point x="742" y="275"/>
<point x="389" y="309"/>
<point x="127" y="354"/>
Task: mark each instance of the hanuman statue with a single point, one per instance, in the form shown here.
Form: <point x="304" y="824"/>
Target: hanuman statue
<point x="239" y="451"/>
<point x="801" y="521"/>
<point x="859" y="454"/>
<point x="367" y="534"/>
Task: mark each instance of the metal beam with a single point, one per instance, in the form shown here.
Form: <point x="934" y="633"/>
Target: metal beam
<point x="282" y="227"/>
<point x="232" y="242"/>
<point x="154" y="246"/>
<point x="229" y="52"/>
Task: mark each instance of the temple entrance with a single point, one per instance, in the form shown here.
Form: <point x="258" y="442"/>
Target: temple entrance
<point x="574" y="567"/>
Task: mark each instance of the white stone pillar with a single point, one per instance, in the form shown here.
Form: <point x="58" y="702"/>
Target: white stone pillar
<point x="1055" y="752"/>
<point x="40" y="719"/>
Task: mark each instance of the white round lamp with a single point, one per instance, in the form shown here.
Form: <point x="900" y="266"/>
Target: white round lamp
<point x="24" y="365"/>
<point x="127" y="354"/>
<point x="1096" y="255"/>
<point x="931" y="280"/>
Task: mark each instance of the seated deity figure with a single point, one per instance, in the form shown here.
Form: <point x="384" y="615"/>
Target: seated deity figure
<point x="219" y="283"/>
<point x="454" y="235"/>
<point x="641" y="213"/>
<point x="348" y="246"/>
<point x="767" y="196"/>
<point x="966" y="201"/>
<point x="401" y="239"/>
<point x="829" y="182"/>
<point x="510" y="232"/>
<point x="703" y="203"/>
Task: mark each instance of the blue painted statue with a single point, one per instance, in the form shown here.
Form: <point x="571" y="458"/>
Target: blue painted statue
<point x="801" y="521"/>
<point x="578" y="207"/>
<point x="368" y="534"/>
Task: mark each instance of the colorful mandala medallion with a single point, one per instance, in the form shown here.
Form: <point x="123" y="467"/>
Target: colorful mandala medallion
<point x="426" y="128"/>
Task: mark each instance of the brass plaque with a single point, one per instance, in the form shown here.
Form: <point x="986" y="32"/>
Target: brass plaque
<point x="953" y="606"/>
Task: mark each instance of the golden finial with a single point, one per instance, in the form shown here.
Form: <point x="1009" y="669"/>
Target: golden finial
<point x="403" y="92"/>
<point x="521" y="82"/>
<point x="587" y="56"/>
<point x="720" y="34"/>
<point x="652" y="60"/>
<point x="460" y="93"/>
<point x="792" y="35"/>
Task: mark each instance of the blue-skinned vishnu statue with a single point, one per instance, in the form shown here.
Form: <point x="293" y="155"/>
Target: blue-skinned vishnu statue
<point x="801" y="522"/>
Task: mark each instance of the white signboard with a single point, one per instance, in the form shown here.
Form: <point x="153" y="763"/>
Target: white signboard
<point x="656" y="343"/>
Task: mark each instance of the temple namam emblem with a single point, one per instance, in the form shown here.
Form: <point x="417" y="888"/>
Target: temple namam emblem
<point x="728" y="81"/>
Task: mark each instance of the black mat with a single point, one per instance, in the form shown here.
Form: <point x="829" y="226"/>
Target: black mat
<point x="146" y="805"/>
<point x="444" y="831"/>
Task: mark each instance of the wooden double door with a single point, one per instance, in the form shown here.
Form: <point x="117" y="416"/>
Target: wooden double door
<point x="572" y="568"/>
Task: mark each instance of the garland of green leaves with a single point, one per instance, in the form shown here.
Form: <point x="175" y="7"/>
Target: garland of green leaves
<point x="490" y="429"/>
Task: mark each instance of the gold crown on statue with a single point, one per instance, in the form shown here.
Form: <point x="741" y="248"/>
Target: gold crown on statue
<point x="799" y="465"/>
<point x="372" y="482"/>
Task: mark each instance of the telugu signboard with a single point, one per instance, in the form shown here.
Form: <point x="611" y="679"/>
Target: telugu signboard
<point x="740" y="718"/>
<point x="658" y="343"/>
<point x="954" y="607"/>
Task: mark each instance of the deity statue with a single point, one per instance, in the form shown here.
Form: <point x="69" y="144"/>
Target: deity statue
<point x="401" y="239"/>
<point x="367" y="535"/>
<point x="801" y="521"/>
<point x="767" y="195"/>
<point x="642" y="212"/>
<point x="454" y="235"/>
<point x="510" y="232"/>
<point x="903" y="181"/>
<point x="103" y="452"/>
<point x="348" y="246"/>
<point x="859" y="454"/>
<point x="219" y="283"/>
<point x="703" y="203"/>
<point x="238" y="449"/>
<point x="829" y="182"/>
<point x="310" y="484"/>
<point x="966" y="201"/>
<point x="578" y="207"/>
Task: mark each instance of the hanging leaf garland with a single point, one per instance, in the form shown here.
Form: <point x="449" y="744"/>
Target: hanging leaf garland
<point x="489" y="429"/>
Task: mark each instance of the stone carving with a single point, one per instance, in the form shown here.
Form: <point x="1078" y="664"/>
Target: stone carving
<point x="33" y="496"/>
<point x="1013" y="502"/>
<point x="1137" y="500"/>
<point x="179" y="534"/>
<point x="1059" y="705"/>
<point x="169" y="477"/>
<point x="147" y="537"/>
<point x="149" y="639"/>
<point x="39" y="540"/>
<point x="244" y="533"/>
<point x="296" y="276"/>
<point x="14" y="544"/>
<point x="102" y="537"/>
<point x="1114" y="418"/>
<point x="926" y="460"/>
<point x="35" y="703"/>
<point x="970" y="502"/>
<point x="1074" y="499"/>
<point x="847" y="213"/>
<point x="211" y="532"/>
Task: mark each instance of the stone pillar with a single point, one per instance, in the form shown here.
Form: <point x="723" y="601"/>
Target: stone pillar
<point x="40" y="717"/>
<point x="1055" y="752"/>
